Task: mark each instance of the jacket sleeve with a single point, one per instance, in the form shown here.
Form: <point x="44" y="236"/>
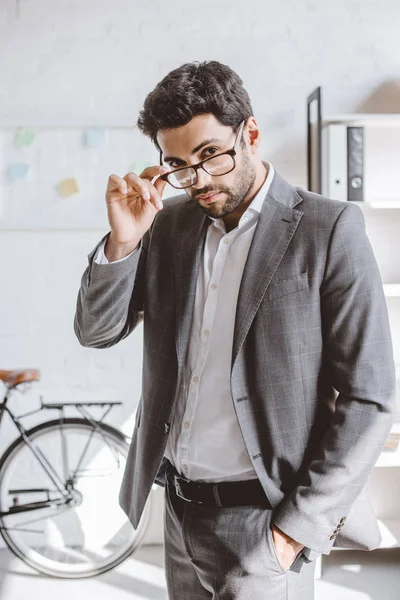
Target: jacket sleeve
<point x="110" y="299"/>
<point x="358" y="350"/>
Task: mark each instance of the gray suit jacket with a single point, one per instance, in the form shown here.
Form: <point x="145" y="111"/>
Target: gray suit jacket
<point x="312" y="374"/>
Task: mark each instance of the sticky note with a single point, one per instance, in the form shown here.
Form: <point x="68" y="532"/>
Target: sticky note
<point x="68" y="187"/>
<point x="17" y="171"/>
<point x="24" y="137"/>
<point x="94" y="137"/>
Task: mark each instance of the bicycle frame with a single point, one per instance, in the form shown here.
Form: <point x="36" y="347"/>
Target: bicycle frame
<point x="65" y="488"/>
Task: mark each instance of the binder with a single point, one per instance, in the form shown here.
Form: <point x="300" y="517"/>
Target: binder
<point x="343" y="164"/>
<point x="355" y="164"/>
<point x="335" y="162"/>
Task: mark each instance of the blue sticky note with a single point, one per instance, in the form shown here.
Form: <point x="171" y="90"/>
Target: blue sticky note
<point x="94" y="137"/>
<point x="17" y="171"/>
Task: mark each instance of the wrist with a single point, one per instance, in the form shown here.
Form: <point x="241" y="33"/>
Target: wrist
<point x="288" y="540"/>
<point x="116" y="250"/>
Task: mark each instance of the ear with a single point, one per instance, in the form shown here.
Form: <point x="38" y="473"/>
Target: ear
<point x="252" y="135"/>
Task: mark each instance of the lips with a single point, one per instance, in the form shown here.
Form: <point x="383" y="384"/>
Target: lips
<point x="209" y="197"/>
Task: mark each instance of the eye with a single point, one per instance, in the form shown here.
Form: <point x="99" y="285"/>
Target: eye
<point x="175" y="164"/>
<point x="212" y="150"/>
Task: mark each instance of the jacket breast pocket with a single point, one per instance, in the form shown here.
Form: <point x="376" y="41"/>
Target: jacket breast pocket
<point x="283" y="287"/>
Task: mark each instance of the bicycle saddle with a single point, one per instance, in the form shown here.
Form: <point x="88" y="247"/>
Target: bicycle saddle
<point x="21" y="376"/>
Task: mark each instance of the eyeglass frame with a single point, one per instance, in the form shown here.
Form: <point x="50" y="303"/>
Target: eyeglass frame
<point x="231" y="152"/>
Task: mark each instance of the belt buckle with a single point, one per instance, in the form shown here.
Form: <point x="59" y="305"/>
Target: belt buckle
<point x="178" y="489"/>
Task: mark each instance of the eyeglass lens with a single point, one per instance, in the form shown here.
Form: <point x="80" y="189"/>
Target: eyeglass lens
<point x="213" y="166"/>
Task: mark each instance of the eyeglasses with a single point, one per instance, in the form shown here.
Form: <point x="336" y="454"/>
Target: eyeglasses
<point x="217" y="165"/>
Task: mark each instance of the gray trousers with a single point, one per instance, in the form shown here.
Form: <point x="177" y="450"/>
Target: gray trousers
<point x="226" y="554"/>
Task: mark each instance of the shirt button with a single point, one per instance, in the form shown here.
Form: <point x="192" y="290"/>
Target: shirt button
<point x="184" y="467"/>
<point x="186" y="424"/>
<point x="214" y="286"/>
<point x="206" y="332"/>
<point x="195" y="379"/>
<point x="226" y="241"/>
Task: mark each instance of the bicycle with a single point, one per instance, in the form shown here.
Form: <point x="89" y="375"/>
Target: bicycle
<point x="59" y="485"/>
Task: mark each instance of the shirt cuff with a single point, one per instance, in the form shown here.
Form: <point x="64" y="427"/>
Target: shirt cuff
<point x="101" y="259"/>
<point x="310" y="554"/>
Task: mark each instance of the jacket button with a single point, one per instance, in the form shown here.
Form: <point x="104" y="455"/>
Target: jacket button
<point x="167" y="427"/>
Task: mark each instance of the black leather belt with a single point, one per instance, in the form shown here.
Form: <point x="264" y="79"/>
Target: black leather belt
<point x="225" y="493"/>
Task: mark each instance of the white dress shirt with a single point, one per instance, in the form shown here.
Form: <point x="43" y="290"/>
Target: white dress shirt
<point x="205" y="441"/>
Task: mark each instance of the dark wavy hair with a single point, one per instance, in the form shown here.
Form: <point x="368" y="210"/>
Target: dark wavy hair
<point x="193" y="89"/>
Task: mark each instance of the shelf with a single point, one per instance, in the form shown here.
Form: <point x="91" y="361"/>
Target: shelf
<point x="395" y="427"/>
<point x="391" y="289"/>
<point x="380" y="120"/>
<point x="390" y="456"/>
<point x="376" y="204"/>
<point x="395" y="203"/>
<point x="390" y="532"/>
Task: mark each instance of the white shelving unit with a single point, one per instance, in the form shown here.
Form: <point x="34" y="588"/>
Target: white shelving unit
<point x="390" y="456"/>
<point x="328" y="174"/>
<point x="384" y="488"/>
<point x="373" y="120"/>
<point x="389" y="203"/>
<point x="392" y="290"/>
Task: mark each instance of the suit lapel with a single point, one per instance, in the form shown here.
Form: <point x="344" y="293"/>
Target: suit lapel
<point x="275" y="228"/>
<point x="189" y="242"/>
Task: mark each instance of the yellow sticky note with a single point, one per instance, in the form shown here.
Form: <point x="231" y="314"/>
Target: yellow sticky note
<point x="68" y="187"/>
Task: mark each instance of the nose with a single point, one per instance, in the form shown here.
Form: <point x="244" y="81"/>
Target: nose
<point x="203" y="179"/>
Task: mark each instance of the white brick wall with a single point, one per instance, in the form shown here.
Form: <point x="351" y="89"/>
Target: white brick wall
<point x="92" y="62"/>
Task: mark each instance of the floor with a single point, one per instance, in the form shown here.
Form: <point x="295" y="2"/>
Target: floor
<point x="346" y="575"/>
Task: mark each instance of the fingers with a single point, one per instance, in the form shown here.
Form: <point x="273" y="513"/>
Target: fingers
<point x="153" y="171"/>
<point x="145" y="188"/>
<point x="116" y="184"/>
<point x="141" y="184"/>
<point x="160" y="184"/>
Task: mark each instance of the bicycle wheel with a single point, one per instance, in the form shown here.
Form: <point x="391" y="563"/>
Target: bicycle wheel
<point x="90" y="533"/>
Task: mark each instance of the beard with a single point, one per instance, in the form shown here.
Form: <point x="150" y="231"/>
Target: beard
<point x="235" y="194"/>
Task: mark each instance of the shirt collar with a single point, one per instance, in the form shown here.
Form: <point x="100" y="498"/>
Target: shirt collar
<point x="258" y="200"/>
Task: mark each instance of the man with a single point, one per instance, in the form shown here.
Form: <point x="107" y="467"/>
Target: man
<point x="268" y="372"/>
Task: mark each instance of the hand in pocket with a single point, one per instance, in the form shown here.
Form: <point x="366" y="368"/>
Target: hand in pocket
<point x="286" y="548"/>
